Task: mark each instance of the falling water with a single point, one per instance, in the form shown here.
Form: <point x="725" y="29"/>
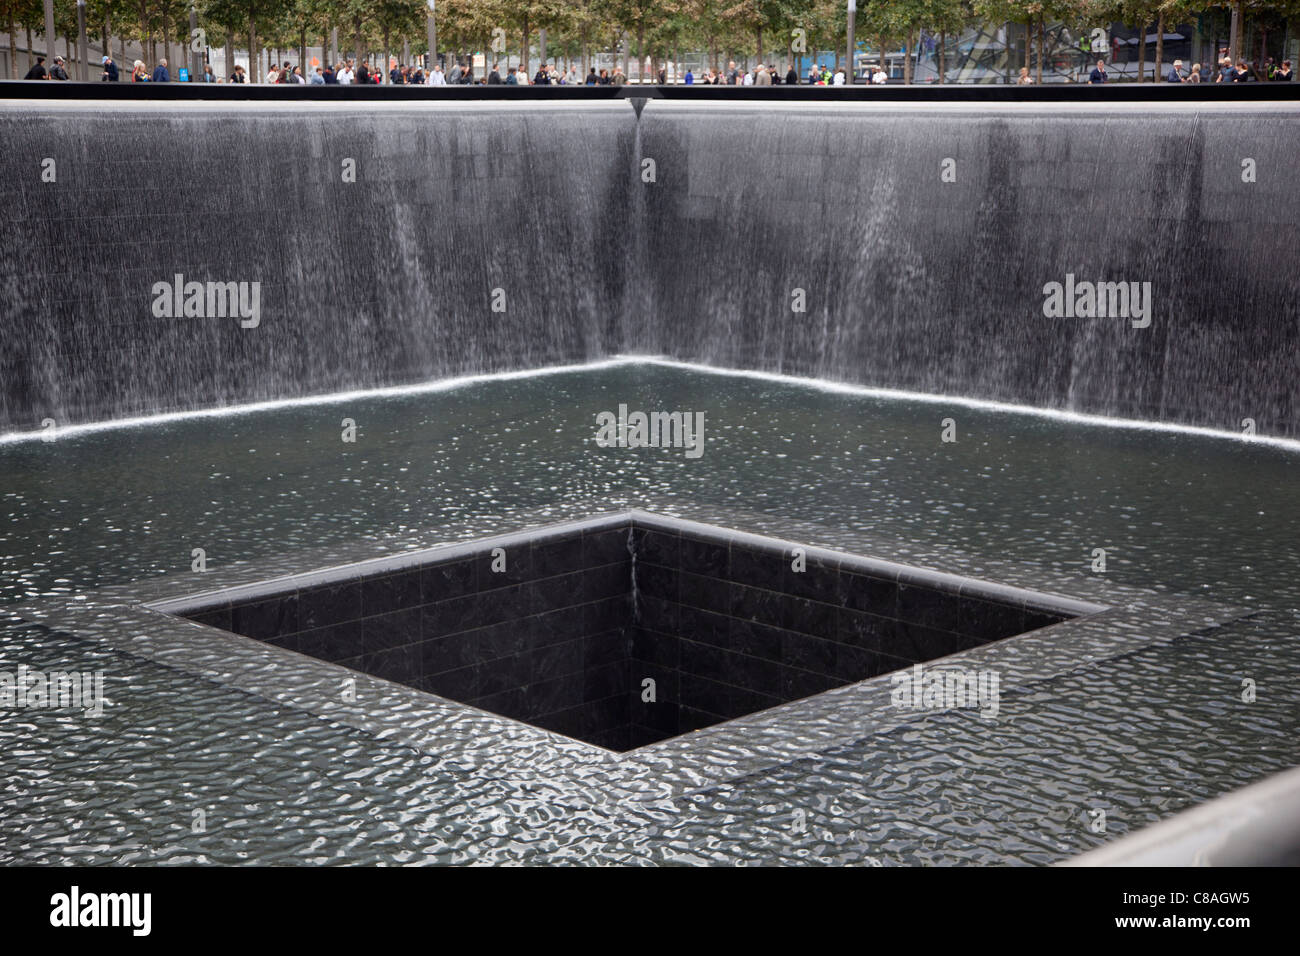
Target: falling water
<point x="822" y="241"/>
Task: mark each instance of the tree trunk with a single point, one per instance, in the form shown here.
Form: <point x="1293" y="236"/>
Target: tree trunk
<point x="1234" y="40"/>
<point x="230" y="52"/>
<point x="523" y="50"/>
<point x="30" y="59"/>
<point x="13" y="47"/>
<point x="943" y="45"/>
<point x="1028" y="32"/>
<point x="640" y="53"/>
<point x="759" y="26"/>
<point x="357" y="36"/>
<point x="254" y="61"/>
<point x="1042" y="28"/>
<point x="1142" y="52"/>
<point x="907" y="59"/>
<point x="1160" y="46"/>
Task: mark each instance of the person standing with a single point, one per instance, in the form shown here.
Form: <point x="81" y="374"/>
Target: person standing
<point x="762" y="77"/>
<point x="690" y="77"/>
<point x="57" y="72"/>
<point x="1098" y="74"/>
<point x="38" y="71"/>
<point x="1024" y="79"/>
<point x="792" y="76"/>
<point x="494" y="78"/>
<point x="139" y="72"/>
<point x="1195" y="75"/>
<point x="1283" y="73"/>
<point x="345" y="75"/>
<point x="110" y="70"/>
<point x="1175" y="74"/>
<point x="435" y="77"/>
<point x="541" y="77"/>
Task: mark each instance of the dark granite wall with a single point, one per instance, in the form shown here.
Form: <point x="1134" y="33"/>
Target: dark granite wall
<point x="728" y="627"/>
<point x="567" y="634"/>
<point x="544" y="641"/>
<point x="909" y="282"/>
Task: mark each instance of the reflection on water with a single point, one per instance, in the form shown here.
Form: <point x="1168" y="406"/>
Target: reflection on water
<point x="1139" y="737"/>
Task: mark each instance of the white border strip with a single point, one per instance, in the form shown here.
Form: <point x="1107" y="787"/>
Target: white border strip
<point x="823" y="385"/>
<point x="392" y="391"/>
<point x="1075" y="418"/>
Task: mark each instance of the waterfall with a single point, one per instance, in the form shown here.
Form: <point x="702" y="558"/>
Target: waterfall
<point x="901" y="246"/>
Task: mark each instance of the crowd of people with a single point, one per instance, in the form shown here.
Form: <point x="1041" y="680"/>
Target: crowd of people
<point x="347" y="72"/>
<point x="1243" y="72"/>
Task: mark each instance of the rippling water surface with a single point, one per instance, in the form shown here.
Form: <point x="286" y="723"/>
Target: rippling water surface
<point x="1138" y="737"/>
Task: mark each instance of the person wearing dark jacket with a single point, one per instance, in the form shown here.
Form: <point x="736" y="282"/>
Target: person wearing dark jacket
<point x="542" y="78"/>
<point x="57" y="72"/>
<point x="38" y="71"/>
<point x="160" y="75"/>
<point x="792" y="77"/>
<point x="110" y="70"/>
<point x="494" y="78"/>
<point x="331" y="78"/>
<point x="1098" y="75"/>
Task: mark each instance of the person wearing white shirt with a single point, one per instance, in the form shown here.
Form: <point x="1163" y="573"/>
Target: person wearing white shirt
<point x="749" y="80"/>
<point x="345" y="75"/>
<point x="436" y="78"/>
<point x="839" y="78"/>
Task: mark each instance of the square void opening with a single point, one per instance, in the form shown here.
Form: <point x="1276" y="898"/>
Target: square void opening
<point x="563" y="628"/>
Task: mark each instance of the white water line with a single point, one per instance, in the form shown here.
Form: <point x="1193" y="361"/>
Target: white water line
<point x="817" y="384"/>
